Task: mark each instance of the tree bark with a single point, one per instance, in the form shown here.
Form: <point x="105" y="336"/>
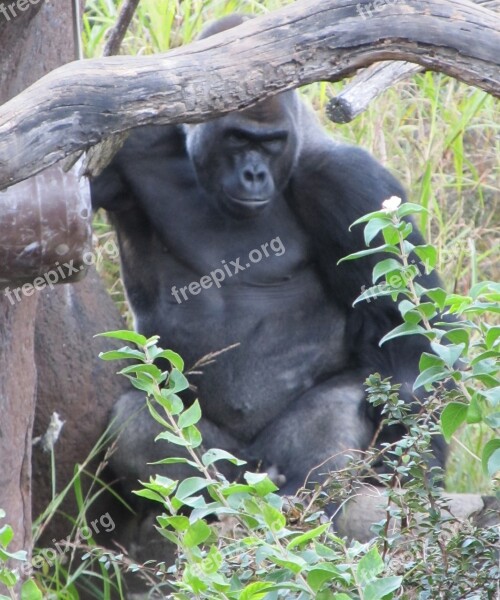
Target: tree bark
<point x="81" y="103"/>
<point x="44" y="32"/>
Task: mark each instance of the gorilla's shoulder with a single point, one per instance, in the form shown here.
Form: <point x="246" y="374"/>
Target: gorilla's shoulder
<point x="150" y="141"/>
<point x="332" y="168"/>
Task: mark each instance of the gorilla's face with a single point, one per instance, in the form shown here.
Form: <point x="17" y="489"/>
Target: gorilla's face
<point x="245" y="159"/>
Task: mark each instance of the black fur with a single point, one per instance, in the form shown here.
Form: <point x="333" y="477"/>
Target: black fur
<point x="184" y="199"/>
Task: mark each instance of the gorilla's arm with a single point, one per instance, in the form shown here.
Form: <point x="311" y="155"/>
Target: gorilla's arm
<point x="333" y="186"/>
<point x="142" y="164"/>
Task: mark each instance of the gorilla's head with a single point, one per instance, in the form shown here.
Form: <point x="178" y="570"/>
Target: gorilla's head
<point x="244" y="159"/>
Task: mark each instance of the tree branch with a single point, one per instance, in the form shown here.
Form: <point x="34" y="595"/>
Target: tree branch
<point x="79" y="104"/>
<point x="117" y="33"/>
<point x="374" y="81"/>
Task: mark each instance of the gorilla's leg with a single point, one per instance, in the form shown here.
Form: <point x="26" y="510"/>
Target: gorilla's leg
<point x="136" y="430"/>
<point x="318" y="429"/>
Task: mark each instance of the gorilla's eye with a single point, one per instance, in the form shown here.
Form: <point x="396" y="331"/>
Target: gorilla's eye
<point x="236" y="139"/>
<point x="275" y="146"/>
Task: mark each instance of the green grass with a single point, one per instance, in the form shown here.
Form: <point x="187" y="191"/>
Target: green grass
<point x="441" y="138"/>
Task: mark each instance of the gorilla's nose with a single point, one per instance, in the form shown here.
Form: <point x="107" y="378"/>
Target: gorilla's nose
<point x="255" y="180"/>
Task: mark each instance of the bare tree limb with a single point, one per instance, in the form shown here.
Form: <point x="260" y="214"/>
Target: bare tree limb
<point x="366" y="86"/>
<point x="77" y="105"/>
<point x="117" y="33"/>
<point x="375" y="80"/>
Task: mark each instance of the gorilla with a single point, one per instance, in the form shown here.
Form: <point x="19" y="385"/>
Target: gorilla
<point x="230" y="234"/>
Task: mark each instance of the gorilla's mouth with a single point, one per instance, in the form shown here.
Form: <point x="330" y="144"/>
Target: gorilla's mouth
<point x="250" y="203"/>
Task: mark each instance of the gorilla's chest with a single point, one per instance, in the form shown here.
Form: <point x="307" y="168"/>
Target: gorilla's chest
<point x="254" y="285"/>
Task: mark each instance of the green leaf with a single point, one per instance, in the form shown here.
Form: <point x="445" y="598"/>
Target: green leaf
<point x="491" y="457"/>
<point x="256" y="591"/>
<point x="376" y="291"/>
<point x="492" y="336"/>
<point x="428" y="360"/>
<point x="373" y="227"/>
<point x="172" y="438"/>
<point x="405" y="229"/>
<point x="191" y="486"/>
<point x="438" y="296"/>
<point x="319" y="574"/>
<point x="170" y="401"/>
<point x="409" y="208"/>
<point x="308" y="535"/>
<point x="484" y="287"/>
<point x="379" y="214"/>
<point x="9" y="579"/>
<point x="175" y="461"/>
<point x="197" y="533"/>
<point x="260" y="482"/>
<point x="458" y="335"/>
<point x="369" y="567"/>
<point x="492" y="395"/>
<point x="122" y="353"/>
<point x="6" y="535"/>
<point x="177" y="522"/>
<point x="405" y="306"/>
<point x="485" y="355"/>
<point x="145" y="386"/>
<point x="450" y="353"/>
<point x="274" y="519"/>
<point x="427" y="309"/>
<point x="215" y="454"/>
<point x="30" y="591"/>
<point x="341" y="596"/>
<point x="193" y="436"/>
<point x="453" y="415"/>
<point x="385" y="266"/>
<point x="293" y="562"/>
<point x="190" y="416"/>
<point x="428" y="256"/>
<point x="493" y="420"/>
<point x="429" y="376"/>
<point x="174" y="359"/>
<point x="177" y="382"/>
<point x="391" y="236"/>
<point x="149" y="494"/>
<point x="401" y="330"/>
<point x="151" y="370"/>
<point x="128" y="336"/>
<point x="385" y="248"/>
<point x="474" y="412"/>
<point x="381" y="588"/>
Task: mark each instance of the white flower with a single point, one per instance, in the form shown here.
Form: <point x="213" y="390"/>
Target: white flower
<point x="391" y="204"/>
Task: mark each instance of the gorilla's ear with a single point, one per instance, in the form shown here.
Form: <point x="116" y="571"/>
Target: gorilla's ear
<point x="223" y="25"/>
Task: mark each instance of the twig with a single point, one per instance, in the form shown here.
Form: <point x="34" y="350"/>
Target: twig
<point x="117" y="33"/>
